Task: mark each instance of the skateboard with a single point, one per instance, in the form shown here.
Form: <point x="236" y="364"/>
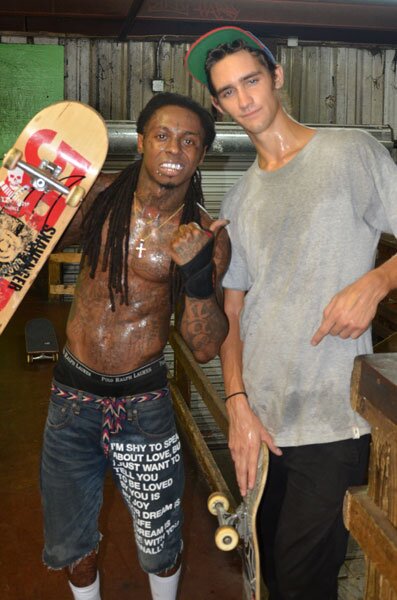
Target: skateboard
<point x="43" y="179"/>
<point x="41" y="340"/>
<point x="240" y="526"/>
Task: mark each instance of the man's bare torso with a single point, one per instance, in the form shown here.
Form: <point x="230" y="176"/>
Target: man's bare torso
<point x="118" y="341"/>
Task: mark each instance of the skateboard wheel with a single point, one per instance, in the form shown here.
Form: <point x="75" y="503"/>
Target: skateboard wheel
<point x="226" y="538"/>
<point x="217" y="498"/>
<point x="11" y="159"/>
<point x="75" y="196"/>
<point x="29" y="358"/>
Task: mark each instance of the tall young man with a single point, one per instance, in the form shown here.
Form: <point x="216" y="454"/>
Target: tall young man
<point x="147" y="245"/>
<point x="300" y="295"/>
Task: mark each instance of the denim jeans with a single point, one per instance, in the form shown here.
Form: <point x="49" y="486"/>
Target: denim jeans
<point x="146" y="462"/>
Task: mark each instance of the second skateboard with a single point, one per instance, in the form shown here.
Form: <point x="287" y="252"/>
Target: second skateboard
<point x="240" y="526"/>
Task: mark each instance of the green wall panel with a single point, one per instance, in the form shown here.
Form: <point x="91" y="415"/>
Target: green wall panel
<point x="31" y="77"/>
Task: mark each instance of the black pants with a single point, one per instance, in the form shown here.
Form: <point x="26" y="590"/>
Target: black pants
<point x="300" y="524"/>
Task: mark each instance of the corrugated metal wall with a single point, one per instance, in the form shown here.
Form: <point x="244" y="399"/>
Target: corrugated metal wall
<point x="326" y="83"/>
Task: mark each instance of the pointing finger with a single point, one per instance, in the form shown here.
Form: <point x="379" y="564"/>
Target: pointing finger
<point x="321" y="332"/>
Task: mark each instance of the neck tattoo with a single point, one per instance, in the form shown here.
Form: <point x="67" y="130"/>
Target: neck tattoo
<point x="141" y="246"/>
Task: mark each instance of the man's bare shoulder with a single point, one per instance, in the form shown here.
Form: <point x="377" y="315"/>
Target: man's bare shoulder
<point x="103" y="181"/>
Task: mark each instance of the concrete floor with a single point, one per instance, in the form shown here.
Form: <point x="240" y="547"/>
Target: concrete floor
<point x="208" y="573"/>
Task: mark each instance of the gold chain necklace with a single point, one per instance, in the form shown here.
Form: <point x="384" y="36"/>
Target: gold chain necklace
<point x="141" y="247"/>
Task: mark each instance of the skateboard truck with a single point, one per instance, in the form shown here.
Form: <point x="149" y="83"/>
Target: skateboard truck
<point x="230" y="527"/>
<point x="30" y="358"/>
<point x="40" y="182"/>
<point x="45" y="177"/>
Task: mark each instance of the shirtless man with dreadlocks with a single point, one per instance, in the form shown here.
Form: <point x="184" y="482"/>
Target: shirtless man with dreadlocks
<point x="147" y="245"/>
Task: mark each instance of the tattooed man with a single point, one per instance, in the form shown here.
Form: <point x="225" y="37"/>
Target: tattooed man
<point x="148" y="245"/>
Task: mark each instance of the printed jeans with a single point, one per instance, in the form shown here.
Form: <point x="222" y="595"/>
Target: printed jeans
<point x="146" y="461"/>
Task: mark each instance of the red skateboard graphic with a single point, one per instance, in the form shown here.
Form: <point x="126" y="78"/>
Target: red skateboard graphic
<point x="43" y="180"/>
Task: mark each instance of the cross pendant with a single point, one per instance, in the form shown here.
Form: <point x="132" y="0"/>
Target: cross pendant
<point x="140" y="248"/>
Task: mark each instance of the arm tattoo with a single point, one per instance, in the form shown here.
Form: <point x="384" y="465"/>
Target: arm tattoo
<point x="204" y="327"/>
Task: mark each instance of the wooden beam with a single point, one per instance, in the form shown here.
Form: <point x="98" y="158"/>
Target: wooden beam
<point x="65" y="257"/>
<point x="373" y="531"/>
<point x="61" y="290"/>
<point x="130" y="19"/>
<point x="199" y="380"/>
<point x="203" y="455"/>
<point x="293" y="13"/>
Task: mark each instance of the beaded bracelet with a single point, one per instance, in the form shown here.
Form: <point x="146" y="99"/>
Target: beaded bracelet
<point x="236" y="394"/>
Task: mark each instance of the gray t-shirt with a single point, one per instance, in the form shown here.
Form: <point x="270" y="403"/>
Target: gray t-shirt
<point x="299" y="235"/>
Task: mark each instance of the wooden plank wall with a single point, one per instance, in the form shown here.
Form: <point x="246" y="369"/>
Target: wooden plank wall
<point x="324" y="83"/>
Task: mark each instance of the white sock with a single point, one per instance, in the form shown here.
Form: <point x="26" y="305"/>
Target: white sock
<point x="164" y="588"/>
<point x="90" y="592"/>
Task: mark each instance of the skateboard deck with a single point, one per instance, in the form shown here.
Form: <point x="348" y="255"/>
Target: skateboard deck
<point x="240" y="526"/>
<point x="44" y="178"/>
<point x="41" y="340"/>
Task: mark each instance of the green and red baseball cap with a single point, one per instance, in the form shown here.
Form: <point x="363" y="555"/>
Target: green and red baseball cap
<point x="197" y="55"/>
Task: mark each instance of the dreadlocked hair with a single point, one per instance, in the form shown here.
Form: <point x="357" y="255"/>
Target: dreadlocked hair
<point x="115" y="206"/>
